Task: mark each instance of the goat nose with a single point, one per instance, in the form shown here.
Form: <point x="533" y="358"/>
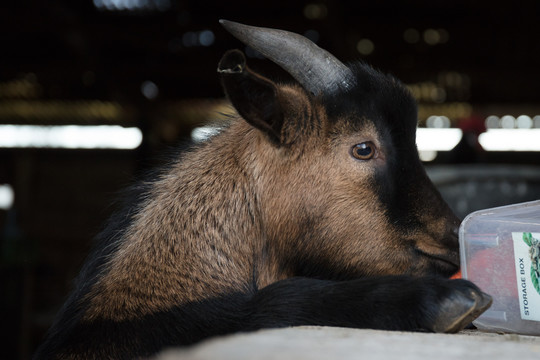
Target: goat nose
<point x="453" y="225"/>
<point x="454" y="231"/>
<point x="454" y="236"/>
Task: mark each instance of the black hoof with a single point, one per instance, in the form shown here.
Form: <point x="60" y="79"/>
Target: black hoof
<point x="460" y="308"/>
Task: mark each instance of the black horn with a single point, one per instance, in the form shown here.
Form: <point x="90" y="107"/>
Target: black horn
<point x="314" y="68"/>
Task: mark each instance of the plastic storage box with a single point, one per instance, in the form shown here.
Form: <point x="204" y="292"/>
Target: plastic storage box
<point x="500" y="250"/>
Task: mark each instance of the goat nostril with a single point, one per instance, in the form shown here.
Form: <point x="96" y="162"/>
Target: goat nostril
<point x="452" y="235"/>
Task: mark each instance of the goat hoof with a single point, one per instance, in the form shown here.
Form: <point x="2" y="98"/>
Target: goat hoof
<point x="460" y="308"/>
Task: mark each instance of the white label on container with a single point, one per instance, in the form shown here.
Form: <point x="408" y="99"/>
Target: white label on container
<point x="527" y="256"/>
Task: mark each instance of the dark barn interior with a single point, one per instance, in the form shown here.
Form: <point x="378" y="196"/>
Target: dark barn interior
<point x="151" y="65"/>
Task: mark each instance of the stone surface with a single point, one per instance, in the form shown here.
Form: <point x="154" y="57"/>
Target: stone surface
<point x="310" y="342"/>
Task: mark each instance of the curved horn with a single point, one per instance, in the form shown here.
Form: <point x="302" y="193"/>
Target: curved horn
<point x="314" y="68"/>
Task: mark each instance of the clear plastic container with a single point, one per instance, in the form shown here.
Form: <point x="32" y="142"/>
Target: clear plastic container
<point x="500" y="250"/>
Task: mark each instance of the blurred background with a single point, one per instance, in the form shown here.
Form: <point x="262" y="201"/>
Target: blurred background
<point x="94" y="92"/>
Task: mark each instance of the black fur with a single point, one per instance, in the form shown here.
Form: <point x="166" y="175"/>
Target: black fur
<point x="384" y="101"/>
<point x="321" y="293"/>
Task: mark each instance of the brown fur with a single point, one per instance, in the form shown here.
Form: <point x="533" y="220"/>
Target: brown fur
<point x="273" y="223"/>
<point x="190" y="250"/>
<point x="178" y="252"/>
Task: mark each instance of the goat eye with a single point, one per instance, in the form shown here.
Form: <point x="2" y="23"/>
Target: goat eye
<point x="363" y="151"/>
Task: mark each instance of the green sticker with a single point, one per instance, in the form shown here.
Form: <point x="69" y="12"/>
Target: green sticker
<point x="535" y="280"/>
<point x="527" y="261"/>
<point x="527" y="237"/>
<point x="534" y="254"/>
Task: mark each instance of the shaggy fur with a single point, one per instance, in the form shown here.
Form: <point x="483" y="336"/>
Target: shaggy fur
<point x="273" y="223"/>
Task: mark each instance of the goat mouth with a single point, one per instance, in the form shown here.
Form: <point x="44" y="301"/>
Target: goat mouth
<point x="449" y="262"/>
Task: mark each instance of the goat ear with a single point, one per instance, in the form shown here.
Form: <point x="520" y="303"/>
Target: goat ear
<point x="253" y="96"/>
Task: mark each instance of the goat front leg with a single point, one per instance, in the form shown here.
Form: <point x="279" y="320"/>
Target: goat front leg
<point x="391" y="303"/>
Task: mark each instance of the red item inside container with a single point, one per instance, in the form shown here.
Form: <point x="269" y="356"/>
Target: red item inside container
<point x="493" y="271"/>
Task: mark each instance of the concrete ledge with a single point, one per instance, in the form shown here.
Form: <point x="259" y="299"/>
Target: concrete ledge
<point x="312" y="342"/>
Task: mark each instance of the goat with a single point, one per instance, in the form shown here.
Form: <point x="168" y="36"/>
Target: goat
<point x="311" y="208"/>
